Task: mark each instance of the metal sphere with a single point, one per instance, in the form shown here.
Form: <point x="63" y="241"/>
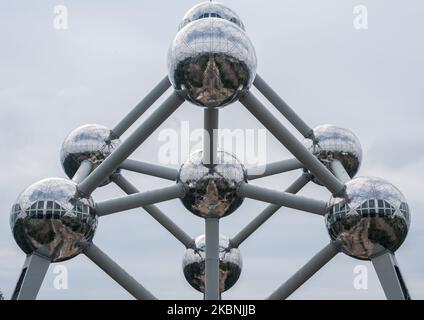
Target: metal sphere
<point x="211" y="10"/>
<point x="212" y="190"/>
<point x="53" y="219"/>
<point x="335" y="143"/>
<point x="211" y="61"/>
<point x="372" y="217"/>
<point x="91" y="142"/>
<point x="230" y="264"/>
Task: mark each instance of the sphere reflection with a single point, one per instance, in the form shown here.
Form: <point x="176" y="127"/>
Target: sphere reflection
<point x="90" y="142"/>
<point x="52" y="218"/>
<point x="212" y="190"/>
<point x="335" y="143"/>
<point x="372" y="217"/>
<point x="211" y="61"/>
<point x="230" y="264"/>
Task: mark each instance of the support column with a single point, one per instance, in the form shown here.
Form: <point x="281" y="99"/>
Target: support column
<point x="31" y="278"/>
<point x="390" y="277"/>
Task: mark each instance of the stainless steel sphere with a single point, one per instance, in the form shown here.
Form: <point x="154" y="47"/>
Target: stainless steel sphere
<point x="372" y="217"/>
<point x="212" y="190"/>
<point x="91" y="142"/>
<point x="335" y="143"/>
<point x="51" y="218"/>
<point x="211" y="61"/>
<point x="230" y="264"/>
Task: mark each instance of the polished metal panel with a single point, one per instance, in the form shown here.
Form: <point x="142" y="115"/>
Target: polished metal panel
<point x="211" y="10"/>
<point x="335" y="143"/>
<point x="91" y="142"/>
<point x="230" y="264"/>
<point x="212" y="191"/>
<point x="52" y="218"/>
<point x="211" y="61"/>
<point x="371" y="217"/>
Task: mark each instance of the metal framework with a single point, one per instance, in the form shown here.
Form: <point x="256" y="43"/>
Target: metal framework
<point x="88" y="179"/>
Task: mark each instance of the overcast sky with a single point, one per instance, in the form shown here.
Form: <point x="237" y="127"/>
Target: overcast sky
<point x="114" y="52"/>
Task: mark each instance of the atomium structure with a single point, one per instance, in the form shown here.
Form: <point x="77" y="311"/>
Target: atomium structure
<point x="211" y="63"/>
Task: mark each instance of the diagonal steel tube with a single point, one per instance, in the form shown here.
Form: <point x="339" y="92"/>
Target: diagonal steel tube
<point x="390" y="277"/>
<point x="283" y="107"/>
<point x="339" y="171"/>
<point x="150" y="169"/>
<point x="267" y="213"/>
<point x="156" y="213"/>
<point x="31" y="278"/>
<point x="273" y="168"/>
<point x="142" y="107"/>
<point x="307" y="271"/>
<point x="83" y="171"/>
<point x="118" y="274"/>
<point x="111" y="163"/>
<point x="138" y="200"/>
<point x="292" y="144"/>
<point x="210" y="140"/>
<point x="283" y="199"/>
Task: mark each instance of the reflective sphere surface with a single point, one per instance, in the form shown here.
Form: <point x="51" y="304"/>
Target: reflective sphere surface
<point x="50" y="217"/>
<point x="230" y="265"/>
<point x="211" y="10"/>
<point x="212" y="191"/>
<point x="90" y="142"/>
<point x="373" y="216"/>
<point x="337" y="143"/>
<point x="211" y="61"/>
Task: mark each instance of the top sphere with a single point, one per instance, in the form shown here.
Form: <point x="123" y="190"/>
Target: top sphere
<point x="211" y="10"/>
<point x="91" y="142"/>
<point x="53" y="219"/>
<point x="371" y="217"/>
<point x="335" y="143"/>
<point x="211" y="61"/>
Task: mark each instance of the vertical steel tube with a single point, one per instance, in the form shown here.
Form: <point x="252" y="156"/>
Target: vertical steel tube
<point x="212" y="291"/>
<point x="210" y="141"/>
